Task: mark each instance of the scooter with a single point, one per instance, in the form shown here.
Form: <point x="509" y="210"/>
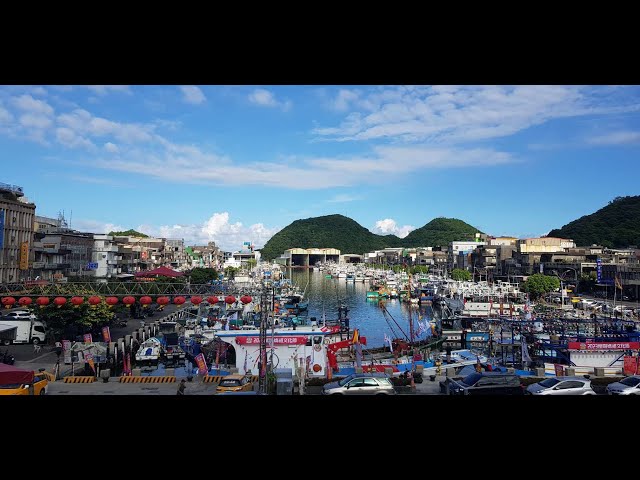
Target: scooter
<point x="7" y="358"/>
<point x="122" y="323"/>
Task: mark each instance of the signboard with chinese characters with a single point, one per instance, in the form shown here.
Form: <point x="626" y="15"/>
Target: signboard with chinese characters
<point x="297" y="340"/>
<point x="202" y="364"/>
<point x="88" y="338"/>
<point x="106" y="334"/>
<point x="66" y="348"/>
<point x="24" y="256"/>
<point x="603" y="346"/>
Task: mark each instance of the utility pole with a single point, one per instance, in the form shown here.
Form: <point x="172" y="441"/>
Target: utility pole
<point x="262" y="363"/>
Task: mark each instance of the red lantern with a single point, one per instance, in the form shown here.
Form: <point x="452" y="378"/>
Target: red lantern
<point x="196" y="300"/>
<point x="77" y="301"/>
<point x="111" y="301"/>
<point x="8" y="302"/>
<point x="230" y="299"/>
<point x="128" y="301"/>
<point x="179" y="300"/>
<point x="212" y="300"/>
<point x="25" y="301"/>
<point x="162" y="300"/>
<point x="42" y="301"/>
<point x="245" y="299"/>
<point x="95" y="300"/>
<point x="146" y="300"/>
<point x="59" y="301"/>
<point x="316" y="367"/>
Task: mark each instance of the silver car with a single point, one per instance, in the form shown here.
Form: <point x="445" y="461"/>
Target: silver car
<point x="626" y="386"/>
<point x="361" y="384"/>
<point x="562" y="386"/>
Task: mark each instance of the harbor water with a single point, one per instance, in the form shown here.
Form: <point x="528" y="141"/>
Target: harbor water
<point x="327" y="294"/>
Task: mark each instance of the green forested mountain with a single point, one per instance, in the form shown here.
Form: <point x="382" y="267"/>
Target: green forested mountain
<point x="129" y="233"/>
<point x="616" y="226"/>
<point x="329" y="231"/>
<point x="345" y="234"/>
<point x="440" y="231"/>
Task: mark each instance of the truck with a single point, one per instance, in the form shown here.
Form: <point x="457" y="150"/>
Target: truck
<point x="29" y="331"/>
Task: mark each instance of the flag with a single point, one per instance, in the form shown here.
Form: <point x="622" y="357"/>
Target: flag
<point x="202" y="364"/>
<point x="388" y="340"/>
<point x="359" y="355"/>
<point x="356" y="336"/>
<point x="89" y="358"/>
<point x="618" y="282"/>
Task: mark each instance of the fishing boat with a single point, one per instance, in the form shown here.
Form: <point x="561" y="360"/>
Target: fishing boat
<point x="149" y="352"/>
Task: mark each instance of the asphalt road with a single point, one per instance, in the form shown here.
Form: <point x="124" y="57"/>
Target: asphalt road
<point x="26" y="351"/>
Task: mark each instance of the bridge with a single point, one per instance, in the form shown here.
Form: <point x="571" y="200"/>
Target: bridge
<point x="133" y="289"/>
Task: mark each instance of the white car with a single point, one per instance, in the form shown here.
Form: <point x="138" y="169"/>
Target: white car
<point x="20" y="315"/>
<point x="626" y="386"/>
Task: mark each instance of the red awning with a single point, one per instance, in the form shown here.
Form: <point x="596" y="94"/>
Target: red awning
<point x="164" y="271"/>
<point x="10" y="375"/>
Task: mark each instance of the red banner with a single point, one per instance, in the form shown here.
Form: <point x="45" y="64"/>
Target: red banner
<point x="202" y="364"/>
<point x="89" y="359"/>
<point x="66" y="345"/>
<point x="631" y="365"/>
<point x="106" y="334"/>
<point x="603" y="345"/>
<point x="559" y="369"/>
<point x="298" y="340"/>
<point x="88" y="338"/>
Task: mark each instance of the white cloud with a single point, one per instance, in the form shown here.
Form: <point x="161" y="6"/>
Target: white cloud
<point x="29" y="104"/>
<point x="105" y="89"/>
<point x="388" y="226"/>
<point x="342" y="198"/>
<point x="38" y="91"/>
<point x="96" y="226"/>
<point x="228" y="236"/>
<point x="616" y="138"/>
<point x="461" y="114"/>
<point x="68" y="138"/>
<point x="5" y="115"/>
<point x="176" y="163"/>
<point x="192" y="94"/>
<point x="111" y="147"/>
<point x="35" y="120"/>
<point x="344" y="99"/>
<point x="84" y="123"/>
<point x="265" y="98"/>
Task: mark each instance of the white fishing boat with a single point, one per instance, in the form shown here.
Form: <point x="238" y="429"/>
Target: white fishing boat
<point x="149" y="352"/>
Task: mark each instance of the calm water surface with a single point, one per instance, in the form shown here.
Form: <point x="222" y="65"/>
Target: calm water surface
<point x="329" y="293"/>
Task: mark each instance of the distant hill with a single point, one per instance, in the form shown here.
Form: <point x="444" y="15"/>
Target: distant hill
<point x="440" y="231"/>
<point x="347" y="235"/>
<point x="329" y="231"/>
<point x="129" y="233"/>
<point x="615" y="226"/>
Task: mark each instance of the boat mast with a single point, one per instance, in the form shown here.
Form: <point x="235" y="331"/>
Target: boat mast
<point x="410" y="320"/>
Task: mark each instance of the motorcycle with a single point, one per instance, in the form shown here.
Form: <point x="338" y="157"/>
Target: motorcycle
<point x="122" y="323"/>
<point x="7" y="358"/>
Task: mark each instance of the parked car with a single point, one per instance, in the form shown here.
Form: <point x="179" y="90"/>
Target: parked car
<point x="20" y="315"/>
<point x="486" y="383"/>
<point x="40" y="382"/>
<point x="626" y="386"/>
<point x="361" y="384"/>
<point x="562" y="386"/>
<point x="235" y="383"/>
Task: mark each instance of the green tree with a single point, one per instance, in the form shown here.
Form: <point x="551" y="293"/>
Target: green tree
<point x="539" y="284"/>
<point x="461" y="275"/>
<point x="230" y="272"/>
<point x="420" y="269"/>
<point x="200" y="276"/>
<point x="61" y="319"/>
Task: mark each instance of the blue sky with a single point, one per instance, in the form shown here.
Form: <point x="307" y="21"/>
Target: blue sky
<point x="238" y="163"/>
